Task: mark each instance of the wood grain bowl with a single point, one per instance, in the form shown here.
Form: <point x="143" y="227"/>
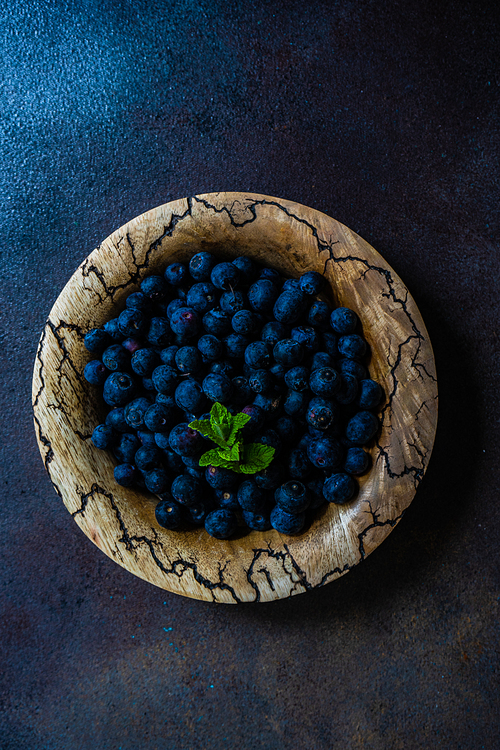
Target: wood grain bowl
<point x="258" y="566"/>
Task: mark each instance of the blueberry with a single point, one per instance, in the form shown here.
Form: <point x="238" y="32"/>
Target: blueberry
<point x="288" y="352"/>
<point x="362" y="428"/>
<point x="126" y="447"/>
<point x="311" y="283"/>
<point x="348" y="389"/>
<point x="308" y="337"/>
<point x="148" y="457"/>
<point x="296" y="403"/>
<point x="324" y="381"/>
<point x="273" y="332"/>
<point x="97" y="340"/>
<point x="251" y="497"/>
<point x="116" y="419"/>
<point x="144" y="361"/>
<point x="148" y="385"/>
<point x="168" y="514"/>
<point x="321" y="359"/>
<point x="270" y="477"/>
<point x="220" y="479"/>
<point x="352" y="346"/>
<point x="217" y="322"/>
<point x="186" y="489"/>
<point x="184" y="441"/>
<point x="293" y="497"/>
<point x="156" y="480"/>
<point x="160" y="332"/>
<point x="270" y="437"/>
<point x="339" y="488"/>
<point x="321" y="413"/>
<point x="167" y="355"/>
<point x="299" y="466"/>
<point x="119" y="388"/>
<point x="370" y="394"/>
<point x="211" y="348"/>
<point x="162" y="440"/>
<point x="258" y="355"/>
<point x="343" y="320"/>
<point x="188" y="359"/>
<point x="189" y="396"/>
<point x="329" y="343"/>
<point x="173" y="306"/>
<point x="159" y="417"/>
<point x="171" y="460"/>
<point x="256" y="521"/>
<point x="318" y="314"/>
<point x="247" y="268"/>
<point x="185" y="322"/>
<point x="356" y="461"/>
<point x="287" y="523"/>
<point x="278" y="371"/>
<point x="218" y="387"/>
<point x="236" y="345"/>
<point x="257" y="418"/>
<point x="115" y="357"/>
<point x="325" y="453"/>
<point x="132" y="322"/>
<point x="147" y="438"/>
<point x="202" y="297"/>
<point x="262" y="295"/>
<point x="287" y="429"/>
<point x="138" y="301"/>
<point x="297" y="378"/>
<point x="233" y="302"/>
<point x="315" y="487"/>
<point x="351" y="367"/>
<point x="290" y="285"/>
<point x="103" y="436"/>
<point x="176" y="274"/>
<point x="242" y="393"/>
<point x="197" y="513"/>
<point x="245" y="322"/>
<point x="112" y="328"/>
<point x="227" y="499"/>
<point x="290" y="306"/>
<point x="223" y="367"/>
<point x="135" y="411"/>
<point x="95" y="372"/>
<point x="260" y="381"/>
<point x="201" y="265"/>
<point x="125" y="474"/>
<point x="221" y="523"/>
<point x="225" y="276"/>
<point x="154" y="288"/>
<point x="270" y="401"/>
<point x="165" y="379"/>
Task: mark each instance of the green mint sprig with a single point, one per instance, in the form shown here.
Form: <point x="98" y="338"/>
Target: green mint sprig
<point x="223" y="428"/>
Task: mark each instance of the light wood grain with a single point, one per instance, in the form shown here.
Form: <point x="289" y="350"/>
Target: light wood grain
<point x="260" y="566"/>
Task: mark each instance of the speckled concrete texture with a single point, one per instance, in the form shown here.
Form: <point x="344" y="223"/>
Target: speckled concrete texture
<point x="383" y="115"/>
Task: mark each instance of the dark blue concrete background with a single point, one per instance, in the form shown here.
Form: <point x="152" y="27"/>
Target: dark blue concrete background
<point x="383" y="115"/>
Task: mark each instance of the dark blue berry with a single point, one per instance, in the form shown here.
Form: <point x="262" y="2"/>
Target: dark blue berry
<point x="144" y="361"/>
<point x="260" y="381"/>
<point x="185" y="322"/>
<point x="221" y="523"/>
<point x="168" y="514"/>
<point x="318" y="314"/>
<point x="256" y="521"/>
<point x="171" y="460"/>
<point x="287" y="429"/>
<point x="288" y="352"/>
<point x="103" y="436"/>
<point x="115" y="357"/>
<point x="135" y="411"/>
<point x="270" y="401"/>
<point x="184" y="441"/>
<point x="175" y="305"/>
<point x="97" y="340"/>
<point x="147" y="438"/>
<point x="233" y="302"/>
<point x="329" y="342"/>
<point x="321" y="413"/>
<point x="132" y="322"/>
<point x="270" y="437"/>
<point x="356" y="461"/>
<point x="95" y="372"/>
<point x="202" y="297"/>
<point x="116" y="419"/>
<point x="270" y="477"/>
<point x="186" y="489"/>
<point x="218" y="387"/>
<point x="156" y="480"/>
<point x="245" y="322"/>
<point x="167" y="355"/>
<point x="348" y="390"/>
<point x="290" y="284"/>
<point x="236" y="345"/>
<point x="148" y="457"/>
<point x="197" y="513"/>
<point x="296" y="403"/>
<point x="299" y="466"/>
<point x="287" y="523"/>
<point x="324" y="382"/>
<point x="362" y="428"/>
<point x="325" y="453"/>
<point x="247" y="268"/>
<point x="225" y="276"/>
<point x="308" y="337"/>
<point x="315" y="487"/>
<point x="148" y="385"/>
<point x="311" y="283"/>
<point x="223" y="367"/>
<point x="242" y="393"/>
<point x="154" y="288"/>
<point x="227" y="499"/>
<point x="138" y="301"/>
<point x="251" y="497"/>
<point x="188" y="359"/>
<point x="217" y="322"/>
<point x="126" y="447"/>
<point x="201" y="265"/>
<point x="297" y="378"/>
<point x="176" y="274"/>
<point x="370" y="394"/>
<point x="119" y="388"/>
<point x="165" y="379"/>
<point x="112" y="328"/>
<point x="321" y="359"/>
<point x="160" y="332"/>
<point x="258" y="355"/>
<point x="220" y="479"/>
<point x="271" y="274"/>
<point x="278" y="371"/>
<point x="211" y="348"/>
<point x="352" y="346"/>
<point x="257" y="419"/>
<point x="339" y="488"/>
<point x="289" y="306"/>
<point x="262" y="295"/>
<point x="273" y="332"/>
<point x="125" y="474"/>
<point x="293" y="497"/>
<point x="343" y="320"/>
<point x="189" y="396"/>
<point x="352" y="367"/>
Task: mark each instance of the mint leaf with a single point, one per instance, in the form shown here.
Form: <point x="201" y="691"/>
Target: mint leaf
<point x="239" y="421"/>
<point x="230" y="454"/>
<point x="256" y="457"/>
<point x="221" y="420"/>
<point x="204" y="426"/>
<point x="233" y="465"/>
<point x="210" y="458"/>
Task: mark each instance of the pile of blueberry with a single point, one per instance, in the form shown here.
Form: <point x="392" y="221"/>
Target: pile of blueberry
<point x="241" y="335"/>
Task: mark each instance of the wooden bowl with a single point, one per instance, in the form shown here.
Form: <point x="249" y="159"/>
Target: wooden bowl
<point x="259" y="566"/>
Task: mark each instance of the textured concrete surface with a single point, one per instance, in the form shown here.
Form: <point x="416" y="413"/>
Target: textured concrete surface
<point x="384" y="116"/>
